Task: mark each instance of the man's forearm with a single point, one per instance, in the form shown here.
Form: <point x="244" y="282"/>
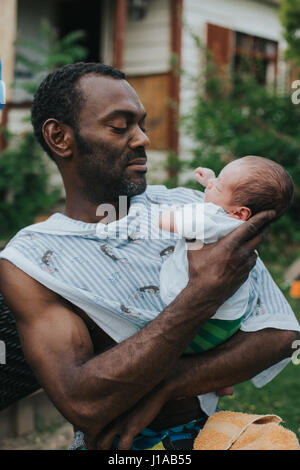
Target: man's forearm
<point x="239" y="359"/>
<point x="115" y="380"/>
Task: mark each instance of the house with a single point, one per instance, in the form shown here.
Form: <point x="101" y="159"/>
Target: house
<point x="142" y="37"/>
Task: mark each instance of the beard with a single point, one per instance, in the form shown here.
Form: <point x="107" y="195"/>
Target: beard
<point x="103" y="171"/>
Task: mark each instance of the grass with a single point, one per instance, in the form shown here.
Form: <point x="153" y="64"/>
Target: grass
<point x="282" y="395"/>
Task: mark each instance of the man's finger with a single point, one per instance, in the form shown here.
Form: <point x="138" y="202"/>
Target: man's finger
<point x="255" y="242"/>
<point x="125" y="442"/>
<point x="248" y="265"/>
<point x="105" y="440"/>
<point x="127" y="436"/>
<point x="250" y="229"/>
<point x="222" y="392"/>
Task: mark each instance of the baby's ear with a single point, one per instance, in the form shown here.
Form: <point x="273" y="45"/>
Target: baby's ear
<point x="241" y="213"/>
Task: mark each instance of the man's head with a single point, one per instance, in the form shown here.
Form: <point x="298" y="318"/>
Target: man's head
<point x="250" y="185"/>
<point x="91" y="123"/>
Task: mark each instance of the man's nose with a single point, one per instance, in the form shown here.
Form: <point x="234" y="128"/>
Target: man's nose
<point x="139" y="139"/>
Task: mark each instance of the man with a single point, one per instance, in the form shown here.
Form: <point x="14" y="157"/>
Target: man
<point x="68" y="288"/>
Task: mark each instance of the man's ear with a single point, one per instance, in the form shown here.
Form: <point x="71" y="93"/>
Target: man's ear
<point x="59" y="138"/>
<point x="242" y="213"/>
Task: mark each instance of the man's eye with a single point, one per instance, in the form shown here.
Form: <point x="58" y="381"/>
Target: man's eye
<point x="119" y="130"/>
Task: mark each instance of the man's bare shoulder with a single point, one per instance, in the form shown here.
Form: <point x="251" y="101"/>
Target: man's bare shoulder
<point x="20" y="290"/>
<point x="27" y="298"/>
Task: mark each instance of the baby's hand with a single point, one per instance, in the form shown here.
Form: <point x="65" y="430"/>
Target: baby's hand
<point x="166" y="221"/>
<point x="203" y="175"/>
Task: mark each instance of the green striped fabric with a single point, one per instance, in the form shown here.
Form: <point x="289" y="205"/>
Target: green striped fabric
<point x="212" y="333"/>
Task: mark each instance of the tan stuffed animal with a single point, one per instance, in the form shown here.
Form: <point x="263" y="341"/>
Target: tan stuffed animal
<point x="229" y="430"/>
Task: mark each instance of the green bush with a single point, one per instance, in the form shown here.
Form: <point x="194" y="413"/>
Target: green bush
<point x="24" y="186"/>
<point x="290" y="19"/>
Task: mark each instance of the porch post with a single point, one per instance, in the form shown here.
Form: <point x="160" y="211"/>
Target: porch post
<point x="176" y="44"/>
<point x="8" y="33"/>
<point x="120" y="19"/>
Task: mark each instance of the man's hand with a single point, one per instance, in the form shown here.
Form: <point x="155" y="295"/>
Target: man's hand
<point x="203" y="175"/>
<point x="218" y="269"/>
<point x="132" y="423"/>
<point x="129" y="425"/>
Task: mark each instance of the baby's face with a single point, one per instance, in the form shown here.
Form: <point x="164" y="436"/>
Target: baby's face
<point x="219" y="190"/>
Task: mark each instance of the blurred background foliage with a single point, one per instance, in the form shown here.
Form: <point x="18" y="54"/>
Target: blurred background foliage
<point x="290" y="20"/>
<point x="25" y="191"/>
<point x="24" y="185"/>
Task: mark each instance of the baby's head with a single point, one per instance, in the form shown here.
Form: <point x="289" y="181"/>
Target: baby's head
<point x="249" y="185"/>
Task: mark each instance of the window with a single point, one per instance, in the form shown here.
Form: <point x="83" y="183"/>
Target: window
<point x="257" y="56"/>
<point x="244" y="53"/>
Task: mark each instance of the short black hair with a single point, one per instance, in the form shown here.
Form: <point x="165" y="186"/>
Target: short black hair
<point x="58" y="97"/>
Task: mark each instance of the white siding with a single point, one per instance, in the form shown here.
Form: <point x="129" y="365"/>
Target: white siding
<point x="148" y="41"/>
<point x="106" y="39"/>
<point x="148" y="46"/>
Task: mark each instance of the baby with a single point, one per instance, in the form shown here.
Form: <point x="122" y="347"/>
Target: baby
<point x="243" y="188"/>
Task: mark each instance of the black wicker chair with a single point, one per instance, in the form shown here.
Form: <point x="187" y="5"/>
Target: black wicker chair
<point x="17" y="379"/>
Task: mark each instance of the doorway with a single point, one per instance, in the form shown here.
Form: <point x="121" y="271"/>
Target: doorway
<point x="84" y="15"/>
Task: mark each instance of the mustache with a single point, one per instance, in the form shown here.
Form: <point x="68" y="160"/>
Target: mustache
<point x="138" y="153"/>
